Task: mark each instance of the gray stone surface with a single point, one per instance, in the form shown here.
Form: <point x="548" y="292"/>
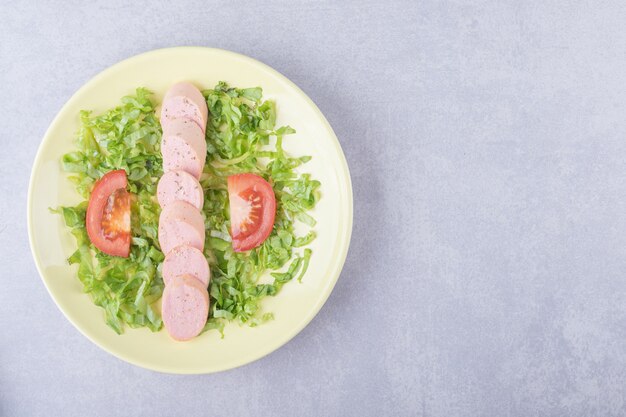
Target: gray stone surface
<point x="487" y="145"/>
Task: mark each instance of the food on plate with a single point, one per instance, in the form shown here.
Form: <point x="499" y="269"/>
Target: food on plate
<point x="180" y="185"/>
<point x="184" y="307"/>
<point x="123" y="137"/>
<point x="252" y="210"/>
<point x="183" y="147"/>
<point x="241" y="138"/>
<point x="185" y="259"/>
<point x="184" y="101"/>
<point x="108" y="214"/>
<point x="180" y="223"/>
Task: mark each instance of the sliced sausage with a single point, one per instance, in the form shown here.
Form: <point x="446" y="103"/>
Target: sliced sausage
<point x="183" y="147"/>
<point x="180" y="223"/>
<point x="180" y="185"/>
<point x="188" y="260"/>
<point x="184" y="307"/>
<point x="184" y="101"/>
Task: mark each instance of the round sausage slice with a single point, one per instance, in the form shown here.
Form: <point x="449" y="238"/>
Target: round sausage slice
<point x="184" y="307"/>
<point x="188" y="260"/>
<point x="180" y="223"/>
<point x="184" y="101"/>
<point x="183" y="147"/>
<point x="180" y="185"/>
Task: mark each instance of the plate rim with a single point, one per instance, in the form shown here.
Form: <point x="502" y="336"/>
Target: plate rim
<point x="341" y="258"/>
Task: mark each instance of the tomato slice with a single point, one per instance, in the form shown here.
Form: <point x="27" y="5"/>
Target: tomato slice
<point x="252" y="210"/>
<point x="108" y="214"/>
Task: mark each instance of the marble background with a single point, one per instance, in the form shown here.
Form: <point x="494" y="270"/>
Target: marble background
<point x="486" y="142"/>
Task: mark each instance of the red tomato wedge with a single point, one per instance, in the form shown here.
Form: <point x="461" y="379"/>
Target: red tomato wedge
<point x="108" y="214"/>
<point x="252" y="210"/>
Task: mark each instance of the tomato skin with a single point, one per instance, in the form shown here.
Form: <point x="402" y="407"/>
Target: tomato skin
<point x="252" y="210"/>
<point x="118" y="243"/>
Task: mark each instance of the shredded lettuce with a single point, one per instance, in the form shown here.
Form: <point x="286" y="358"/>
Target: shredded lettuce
<point x="126" y="137"/>
<point x="241" y="137"/>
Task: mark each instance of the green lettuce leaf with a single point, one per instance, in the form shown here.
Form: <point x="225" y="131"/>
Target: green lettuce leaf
<point x="239" y="139"/>
<point x="126" y="137"/>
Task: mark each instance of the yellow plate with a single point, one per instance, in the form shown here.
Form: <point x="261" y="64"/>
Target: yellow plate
<point x="293" y="308"/>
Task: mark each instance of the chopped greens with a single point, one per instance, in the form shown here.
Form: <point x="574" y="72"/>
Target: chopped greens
<point x="125" y="137"/>
<point x="241" y="137"/>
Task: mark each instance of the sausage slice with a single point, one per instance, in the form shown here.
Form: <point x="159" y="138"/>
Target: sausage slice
<point x="180" y="185"/>
<point x="183" y="260"/>
<point x="184" y="101"/>
<point x="184" y="307"/>
<point x="183" y="147"/>
<point x="180" y="223"/>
